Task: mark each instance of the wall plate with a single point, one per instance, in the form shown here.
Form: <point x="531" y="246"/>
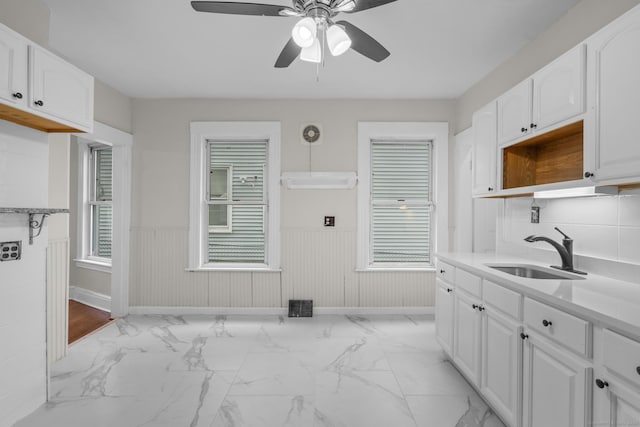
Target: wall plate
<point x="311" y="134"/>
<point x="10" y="251"/>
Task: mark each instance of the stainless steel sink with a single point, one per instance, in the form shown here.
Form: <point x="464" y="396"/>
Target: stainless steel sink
<point x="534" y="272"/>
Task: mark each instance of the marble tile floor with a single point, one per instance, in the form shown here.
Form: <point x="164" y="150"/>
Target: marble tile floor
<point x="270" y="371"/>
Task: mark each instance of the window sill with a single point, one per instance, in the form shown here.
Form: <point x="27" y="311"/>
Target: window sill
<point x="93" y="265"/>
<point x="231" y="269"/>
<point x="396" y="269"/>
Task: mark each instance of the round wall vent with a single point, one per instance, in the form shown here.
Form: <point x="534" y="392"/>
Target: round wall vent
<point x="311" y="134"/>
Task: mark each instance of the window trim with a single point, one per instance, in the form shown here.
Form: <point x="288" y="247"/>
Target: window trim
<point x="86" y="185"/>
<point x="228" y="228"/>
<point x="438" y="133"/>
<point x="201" y="134"/>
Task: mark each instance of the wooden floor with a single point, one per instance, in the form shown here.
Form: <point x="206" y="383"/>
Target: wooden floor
<point x="84" y="319"/>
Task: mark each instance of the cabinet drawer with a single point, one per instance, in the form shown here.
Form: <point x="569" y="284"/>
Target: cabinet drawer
<point x="446" y="272"/>
<point x="469" y="282"/>
<point x="503" y="299"/>
<point x="568" y="330"/>
<point x="622" y="356"/>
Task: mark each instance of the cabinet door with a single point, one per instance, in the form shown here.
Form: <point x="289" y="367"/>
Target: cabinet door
<point x="514" y="113"/>
<point x="555" y="383"/>
<point x="501" y="356"/>
<point x="467" y="336"/>
<point x="484" y="150"/>
<point x="614" y="90"/>
<point x="444" y="315"/>
<point x="615" y="405"/>
<point x="59" y="89"/>
<point x="13" y="67"/>
<point x="558" y="89"/>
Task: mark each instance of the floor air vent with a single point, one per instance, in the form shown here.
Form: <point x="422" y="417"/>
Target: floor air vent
<point x="300" y="308"/>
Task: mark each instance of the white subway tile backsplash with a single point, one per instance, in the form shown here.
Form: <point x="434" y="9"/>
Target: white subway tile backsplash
<point x="588" y="211"/>
<point x="630" y="210"/>
<point x="630" y="244"/>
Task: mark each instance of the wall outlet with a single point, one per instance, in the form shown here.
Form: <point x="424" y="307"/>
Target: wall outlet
<point x="329" y="221"/>
<point x="535" y="215"/>
<point x="10" y="251"/>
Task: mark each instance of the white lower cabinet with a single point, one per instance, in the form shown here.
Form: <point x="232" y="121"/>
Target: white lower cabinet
<point x="444" y="315"/>
<point x="556" y="385"/>
<point x="614" y="403"/>
<point x="467" y="336"/>
<point x="501" y="364"/>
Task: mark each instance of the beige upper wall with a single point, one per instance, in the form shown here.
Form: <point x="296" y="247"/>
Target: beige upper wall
<point x="161" y="151"/>
<point x="112" y="107"/>
<point x="577" y="24"/>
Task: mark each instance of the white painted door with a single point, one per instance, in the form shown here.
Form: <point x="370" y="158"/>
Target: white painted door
<point x="501" y="356"/>
<point x="484" y="168"/>
<point x="467" y="335"/>
<point x="615" y="404"/>
<point x="554" y="385"/>
<point x="558" y="89"/>
<point x="514" y="113"/>
<point x="614" y="90"/>
<point x="444" y="315"/>
<point x="13" y="67"/>
<point x="60" y="90"/>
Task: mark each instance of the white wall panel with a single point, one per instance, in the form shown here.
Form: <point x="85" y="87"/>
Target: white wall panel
<point x="266" y="289"/>
<point x="57" y="297"/>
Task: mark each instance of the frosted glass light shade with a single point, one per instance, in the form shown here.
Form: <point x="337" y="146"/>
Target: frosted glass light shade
<point x="304" y="32"/>
<point x="312" y="53"/>
<point x="337" y="40"/>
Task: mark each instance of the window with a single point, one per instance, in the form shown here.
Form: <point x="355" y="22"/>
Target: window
<point x="234" y="195"/>
<point x="397" y="171"/>
<point x="96" y="204"/>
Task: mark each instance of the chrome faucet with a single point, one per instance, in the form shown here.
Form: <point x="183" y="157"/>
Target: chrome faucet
<point x="565" y="250"/>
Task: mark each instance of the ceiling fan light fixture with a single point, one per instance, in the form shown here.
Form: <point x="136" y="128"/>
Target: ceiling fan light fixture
<point x="304" y="32"/>
<point x="345" y="6"/>
<point x="337" y="40"/>
<point x="312" y="53"/>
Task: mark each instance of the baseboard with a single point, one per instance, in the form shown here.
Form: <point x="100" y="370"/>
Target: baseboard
<point x="90" y="298"/>
<point x="279" y="311"/>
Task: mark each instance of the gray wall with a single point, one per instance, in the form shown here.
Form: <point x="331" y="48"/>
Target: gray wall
<point x="577" y="24"/>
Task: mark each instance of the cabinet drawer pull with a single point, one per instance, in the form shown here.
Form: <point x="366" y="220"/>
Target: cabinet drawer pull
<point x="601" y="384"/>
<point x="490" y="188"/>
<point x="523" y="130"/>
<point x="39" y="103"/>
<point x="546" y="323"/>
<point x="523" y="335"/>
<point x="442" y="271"/>
<point x="588" y="174"/>
<point x="17" y="95"/>
<point x="481" y="308"/>
<point x="638" y="370"/>
<point x="475" y="306"/>
<point x="449" y="290"/>
<point x="533" y="126"/>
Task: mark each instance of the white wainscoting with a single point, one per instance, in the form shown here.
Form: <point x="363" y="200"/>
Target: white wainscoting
<point x="316" y="264"/>
<point x="57" y="296"/>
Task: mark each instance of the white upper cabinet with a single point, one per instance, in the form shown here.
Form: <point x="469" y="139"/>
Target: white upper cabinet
<point x="614" y="94"/>
<point x="13" y="68"/>
<point x="514" y="112"/>
<point x="558" y="89"/>
<point x="60" y="89"/>
<point x="40" y="90"/>
<point x="552" y="95"/>
<point x="484" y="150"/>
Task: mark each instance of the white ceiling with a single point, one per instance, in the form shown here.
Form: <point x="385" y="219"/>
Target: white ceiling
<point x="163" y="48"/>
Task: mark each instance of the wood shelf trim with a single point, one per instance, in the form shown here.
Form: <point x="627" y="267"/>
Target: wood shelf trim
<point x="33" y="121"/>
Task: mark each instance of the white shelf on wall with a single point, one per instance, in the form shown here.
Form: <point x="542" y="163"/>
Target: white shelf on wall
<point x="319" y="180"/>
<point x="33" y="223"/>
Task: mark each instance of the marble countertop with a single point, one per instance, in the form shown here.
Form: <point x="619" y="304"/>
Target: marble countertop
<point x="606" y="302"/>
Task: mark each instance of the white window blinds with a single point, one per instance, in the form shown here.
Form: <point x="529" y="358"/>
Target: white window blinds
<point x="401" y="191"/>
<point x="101" y="209"/>
<point x="237" y="217"/>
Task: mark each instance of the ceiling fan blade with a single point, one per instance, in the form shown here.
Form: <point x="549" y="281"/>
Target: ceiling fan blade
<point x="363" y="43"/>
<point x="288" y="55"/>
<point x="234" y="8"/>
<point x="368" y="4"/>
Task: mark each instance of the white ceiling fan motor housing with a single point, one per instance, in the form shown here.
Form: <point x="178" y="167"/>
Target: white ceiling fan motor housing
<point x="311" y="134"/>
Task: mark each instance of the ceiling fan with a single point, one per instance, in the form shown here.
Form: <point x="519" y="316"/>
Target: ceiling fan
<point x="315" y="27"/>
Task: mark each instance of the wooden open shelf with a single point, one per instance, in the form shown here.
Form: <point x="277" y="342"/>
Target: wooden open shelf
<point x="555" y="156"/>
<point x="25" y="118"/>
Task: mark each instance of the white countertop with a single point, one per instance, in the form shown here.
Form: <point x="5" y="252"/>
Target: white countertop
<point x="604" y="301"/>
